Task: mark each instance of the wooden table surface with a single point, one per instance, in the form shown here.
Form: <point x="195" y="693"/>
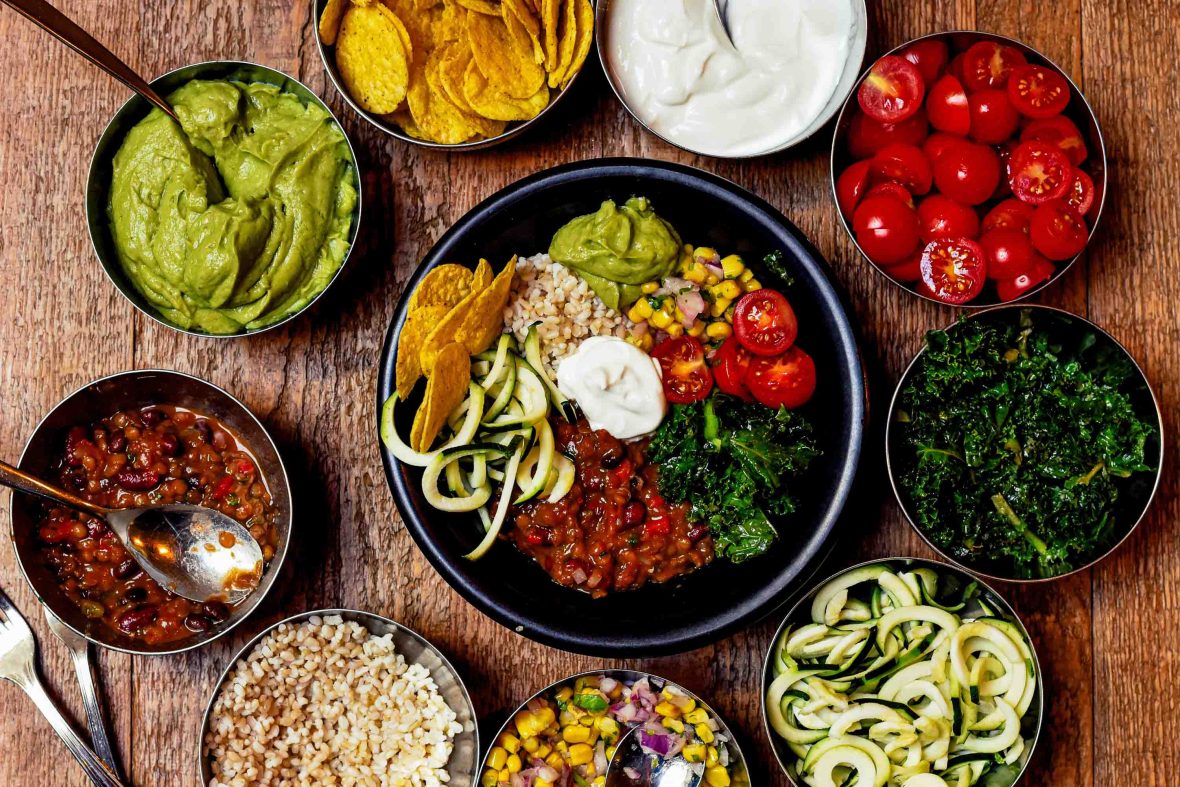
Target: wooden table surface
<point x="1109" y="638"/>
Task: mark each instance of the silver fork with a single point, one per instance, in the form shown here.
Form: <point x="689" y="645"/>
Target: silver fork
<point x="18" y="663"/>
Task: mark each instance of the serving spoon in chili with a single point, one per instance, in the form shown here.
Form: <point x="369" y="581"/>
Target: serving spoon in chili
<point x="195" y="552"/>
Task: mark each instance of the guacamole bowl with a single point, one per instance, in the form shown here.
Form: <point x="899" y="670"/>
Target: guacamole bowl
<point x="239" y="224"/>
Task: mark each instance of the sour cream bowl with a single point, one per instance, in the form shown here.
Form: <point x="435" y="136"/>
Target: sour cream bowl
<point x="761" y="99"/>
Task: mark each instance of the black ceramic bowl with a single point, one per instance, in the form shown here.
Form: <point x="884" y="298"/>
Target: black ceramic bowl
<point x="715" y="601"/>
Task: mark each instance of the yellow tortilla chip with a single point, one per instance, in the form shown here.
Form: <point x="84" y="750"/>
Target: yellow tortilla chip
<point x="372" y="59"/>
<point x="330" y="20"/>
<point x="500" y="59"/>
<point x="444" y="332"/>
<point x="445" y="391"/>
<point x="566" y="41"/>
<point x="527" y="19"/>
<point x="491" y="102"/>
<point x="446" y="284"/>
<point x="418" y="325"/>
<point x="439" y="119"/>
<point x="550" y="11"/>
<point x="481" y="6"/>
<point x="404" y="33"/>
<point x="522" y="39"/>
<point x="585" y="13"/>
<point x="455" y="60"/>
<point x="484" y="320"/>
<point x="479" y="125"/>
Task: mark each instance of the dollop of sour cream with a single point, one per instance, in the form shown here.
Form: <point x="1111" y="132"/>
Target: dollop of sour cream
<point x="616" y="384"/>
<point x="671" y="61"/>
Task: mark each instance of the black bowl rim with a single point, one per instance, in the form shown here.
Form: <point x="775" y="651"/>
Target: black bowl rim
<point x="983" y="35"/>
<point x="758" y="605"/>
<point x="989" y="314"/>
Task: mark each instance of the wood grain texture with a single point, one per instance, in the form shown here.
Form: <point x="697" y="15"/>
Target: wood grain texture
<point x="1108" y="639"/>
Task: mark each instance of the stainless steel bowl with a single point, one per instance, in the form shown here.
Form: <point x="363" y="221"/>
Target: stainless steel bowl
<point x="847" y="80"/>
<point x="741" y="770"/>
<point x="514" y="129"/>
<point x="800" y="612"/>
<point x="98" y="179"/>
<point x="1079" y="111"/>
<point x="97" y="400"/>
<point x="1136" y="501"/>
<point x="415" y="649"/>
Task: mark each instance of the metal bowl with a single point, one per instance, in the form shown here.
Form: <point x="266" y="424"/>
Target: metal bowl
<point x="1135" y="498"/>
<point x="98" y="179"/>
<point x="847" y="80"/>
<point x="514" y="129"/>
<point x="800" y="612"/>
<point x="104" y="397"/>
<point x="741" y="770"/>
<point x="1079" y="111"/>
<point x="416" y="649"/>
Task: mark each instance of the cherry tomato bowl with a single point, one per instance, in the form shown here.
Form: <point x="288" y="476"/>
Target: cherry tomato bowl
<point x="715" y="601"/>
<point x="924" y="151"/>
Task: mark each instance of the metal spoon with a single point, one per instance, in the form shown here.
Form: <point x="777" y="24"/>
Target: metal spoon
<point x="195" y="552"/>
<point x="62" y="28"/>
<point x="721" y="9"/>
<point x="650" y="770"/>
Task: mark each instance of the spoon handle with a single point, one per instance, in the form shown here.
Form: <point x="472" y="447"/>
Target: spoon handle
<point x="22" y="481"/>
<point x="61" y="27"/>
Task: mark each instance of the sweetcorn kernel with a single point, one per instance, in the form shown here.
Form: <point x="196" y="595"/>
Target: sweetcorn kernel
<point x="649" y="287"/>
<point x="510" y="742"/>
<point x="753" y="284"/>
<point x="488" y="779"/>
<point x="697" y="716"/>
<point x="661" y="319"/>
<point x="575" y="734"/>
<point x="746" y="275"/>
<point x="712" y="757"/>
<point x="531" y="745"/>
<point x="732" y="266"/>
<point x="497" y="757"/>
<point x="728" y="289"/>
<point x="676" y="725"/>
<point x="719" y="330"/>
<point x="514" y="763"/>
<point x="580" y="754"/>
<point x="717" y="776"/>
<point x="555" y="761"/>
<point x="704" y="733"/>
<point x="712" y="279"/>
<point x="719" y="306"/>
<point x="694" y="753"/>
<point x="675" y="329"/>
<point x="706" y="254"/>
<point x="697" y="329"/>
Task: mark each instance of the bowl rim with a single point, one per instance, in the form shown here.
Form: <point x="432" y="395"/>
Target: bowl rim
<point x="989" y="314"/>
<point x="515" y="128"/>
<point x="354" y="615"/>
<point x="1012" y="615"/>
<point x="982" y="35"/>
<point x="759" y="604"/>
<point x="270" y="576"/>
<point x="126" y="288"/>
<point x="860" y="47"/>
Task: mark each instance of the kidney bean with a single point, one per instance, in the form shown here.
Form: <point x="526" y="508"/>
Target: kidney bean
<point x="136" y="594"/>
<point x="216" y="611"/>
<point x="197" y="623"/>
<point x="169" y="444"/>
<point x="74" y="438"/>
<point x="128" y="569"/>
<point x="634" y="513"/>
<point x="151" y="416"/>
<point x="136" y="619"/>
<point x="205" y="430"/>
<point x="117" y="442"/>
<point x="137" y="480"/>
<point x="612" y="452"/>
<point x="697" y="533"/>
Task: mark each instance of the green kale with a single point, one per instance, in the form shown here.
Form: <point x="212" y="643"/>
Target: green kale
<point x="1020" y="439"/>
<point x="776" y="264"/>
<point x="730" y="460"/>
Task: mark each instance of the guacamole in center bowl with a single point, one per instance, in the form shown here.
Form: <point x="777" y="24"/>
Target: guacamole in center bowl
<point x="240" y="216"/>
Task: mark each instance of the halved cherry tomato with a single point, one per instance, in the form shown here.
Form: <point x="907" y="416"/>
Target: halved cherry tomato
<point x="1010" y="213"/>
<point x="1004" y="151"/>
<point x="1038" y="91"/>
<point x="886" y="229"/>
<point x="1009" y="252"/>
<point x="786" y="380"/>
<point x="937" y="142"/>
<point x="1057" y="231"/>
<point x="940" y="216"/>
<point x="891" y="188"/>
<point x="1060" y="131"/>
<point x="730" y="364"/>
<point x="905" y="164"/>
<point x="953" y="271"/>
<point x="851" y="186"/>
<point x="909" y="270"/>
<point x="866" y="136"/>
<point x="1081" y="192"/>
<point x="929" y="56"/>
<point x="686" y="376"/>
<point x="993" y="118"/>
<point x="764" y="321"/>
<point x="967" y="172"/>
<point x="1039" y="271"/>
<point x="947" y="107"/>
<point x="1039" y="172"/>
<point x="892" y="91"/>
<point x="988" y="64"/>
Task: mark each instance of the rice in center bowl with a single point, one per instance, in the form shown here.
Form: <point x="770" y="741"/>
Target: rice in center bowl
<point x="326" y="702"/>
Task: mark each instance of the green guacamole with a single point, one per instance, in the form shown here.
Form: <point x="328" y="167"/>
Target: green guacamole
<point x="617" y="249"/>
<point x="240" y="218"/>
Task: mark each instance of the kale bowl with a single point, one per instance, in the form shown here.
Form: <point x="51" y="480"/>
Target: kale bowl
<point x="1024" y="443"/>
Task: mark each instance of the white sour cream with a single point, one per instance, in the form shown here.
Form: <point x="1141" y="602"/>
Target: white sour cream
<point x="677" y="72"/>
<point x="616" y="384"/>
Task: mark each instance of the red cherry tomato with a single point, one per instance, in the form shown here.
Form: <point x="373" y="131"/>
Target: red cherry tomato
<point x="886" y="229"/>
<point x="937" y="142"/>
<point x="1060" y="131"/>
<point x="851" y="186"/>
<point x="892" y="91"/>
<point x="988" y="64"/>
<point x="891" y="188"/>
<point x="1004" y="151"/>
<point x="993" y="118"/>
<point x="940" y="216"/>
<point x="730" y="364"/>
<point x="907" y="271"/>
<point x="786" y="380"/>
<point x="1041" y="270"/>
<point x="967" y="172"/>
<point x="955" y="67"/>
<point x="1038" y="91"/>
<point x="929" y="56"/>
<point x="866" y="136"/>
<point x="1057" y="231"/>
<point x="905" y="164"/>
<point x="1008" y="251"/>
<point x="953" y="271"/>
<point x="1081" y="192"/>
<point x="686" y="376"/>
<point x="1039" y="172"/>
<point x="764" y="322"/>
<point x="1011" y="213"/>
<point x="947" y="106"/>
